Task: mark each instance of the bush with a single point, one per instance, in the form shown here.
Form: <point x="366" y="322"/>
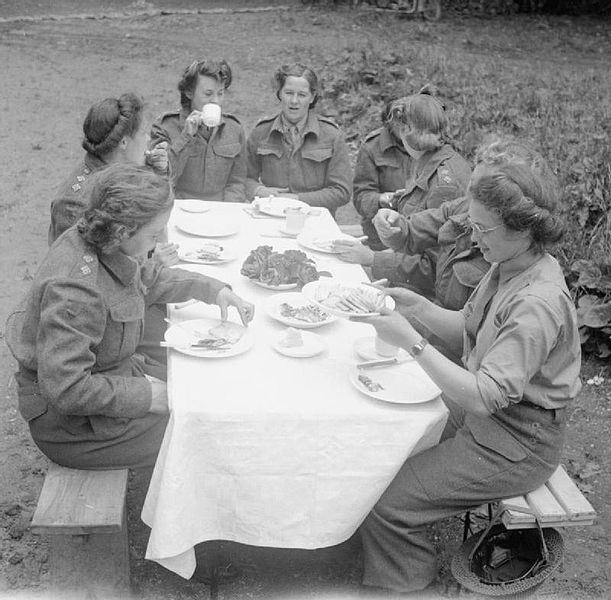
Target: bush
<point x="562" y="113"/>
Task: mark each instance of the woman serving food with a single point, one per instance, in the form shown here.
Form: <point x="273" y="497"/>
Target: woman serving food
<point x="298" y="153"/>
<point x="520" y="348"/>
<point x="90" y="400"/>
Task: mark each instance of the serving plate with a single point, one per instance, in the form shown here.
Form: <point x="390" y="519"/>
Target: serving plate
<point x="402" y="383"/>
<point x="295" y="300"/>
<point x="277" y="288"/>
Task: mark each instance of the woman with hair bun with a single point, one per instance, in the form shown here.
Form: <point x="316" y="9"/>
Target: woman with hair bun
<point x="113" y="132"/>
<point x="298" y="153"/>
<point x="435" y="173"/>
<point x="206" y="145"/>
<point x="518" y="338"/>
<point x="90" y="400"/>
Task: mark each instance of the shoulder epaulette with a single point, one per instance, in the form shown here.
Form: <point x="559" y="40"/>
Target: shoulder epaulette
<point x="373" y="134"/>
<point x="328" y="120"/>
<point x="266" y="120"/>
<point x="232" y="117"/>
<point x="169" y="113"/>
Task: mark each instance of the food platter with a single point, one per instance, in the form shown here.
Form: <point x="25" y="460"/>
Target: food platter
<point x="210" y="253"/>
<point x="295" y="310"/>
<point x="312" y="345"/>
<point x="402" y="383"/>
<point x="182" y="335"/>
<point x="347" y="299"/>
<point x="274" y="206"/>
<point x="192" y="205"/>
<point x="322" y="242"/>
<point x="208" y="225"/>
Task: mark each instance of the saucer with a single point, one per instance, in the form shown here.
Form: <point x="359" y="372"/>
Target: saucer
<point x="366" y="349"/>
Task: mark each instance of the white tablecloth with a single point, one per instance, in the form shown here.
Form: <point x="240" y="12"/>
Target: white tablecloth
<point x="268" y="450"/>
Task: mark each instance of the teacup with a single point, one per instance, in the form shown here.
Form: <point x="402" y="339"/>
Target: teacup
<point x="295" y="219"/>
<point x="211" y="114"/>
<point x="384" y="348"/>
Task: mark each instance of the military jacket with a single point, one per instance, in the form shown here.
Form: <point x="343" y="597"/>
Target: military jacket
<point x="318" y="171"/>
<point x="211" y="164"/>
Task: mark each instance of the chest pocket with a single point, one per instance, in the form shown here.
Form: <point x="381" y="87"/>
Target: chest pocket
<point x="229" y="151"/>
<point x="219" y="168"/>
<point x="123" y="331"/>
<point x="315" y="166"/>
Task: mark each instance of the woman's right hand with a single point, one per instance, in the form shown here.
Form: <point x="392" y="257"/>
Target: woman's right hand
<point x="407" y="302"/>
<point x="387" y="224"/>
<point x="159" y="403"/>
<point x="265" y="192"/>
<point x="192" y="123"/>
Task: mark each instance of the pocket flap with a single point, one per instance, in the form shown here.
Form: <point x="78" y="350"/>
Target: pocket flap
<point x="227" y="150"/>
<point x="317" y="154"/>
<point x="491" y="435"/>
<point x="127" y="310"/>
<point x="265" y="150"/>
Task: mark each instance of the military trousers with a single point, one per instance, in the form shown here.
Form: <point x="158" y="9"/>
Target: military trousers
<point x="479" y="460"/>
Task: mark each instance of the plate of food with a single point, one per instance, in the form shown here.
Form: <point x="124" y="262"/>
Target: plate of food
<point x="400" y="383"/>
<point x="299" y="344"/>
<point x="209" y="338"/>
<point x="279" y="270"/>
<point x="208" y="225"/>
<point x="210" y="253"/>
<point x="274" y="206"/>
<point x="322" y="242"/>
<point x="295" y="310"/>
<point x="347" y="299"/>
<point x="192" y="205"/>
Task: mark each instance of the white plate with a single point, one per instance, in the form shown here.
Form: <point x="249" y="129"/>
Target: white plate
<point x="182" y="334"/>
<point x="274" y="206"/>
<point x="294" y="299"/>
<point x="404" y="383"/>
<point x="365" y="347"/>
<point x="208" y="225"/>
<point x="190" y="255"/>
<point x="192" y="205"/>
<point x="319" y="291"/>
<point x="281" y="287"/>
<point x="313" y="344"/>
<point x="321" y="242"/>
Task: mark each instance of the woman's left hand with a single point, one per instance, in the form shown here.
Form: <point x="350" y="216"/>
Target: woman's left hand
<point x="353" y="252"/>
<point x="393" y="328"/>
<point x="158" y="157"/>
<point x="166" y="254"/>
<point x="226" y="298"/>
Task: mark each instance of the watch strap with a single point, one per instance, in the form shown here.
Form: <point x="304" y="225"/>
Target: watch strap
<point x="417" y="349"/>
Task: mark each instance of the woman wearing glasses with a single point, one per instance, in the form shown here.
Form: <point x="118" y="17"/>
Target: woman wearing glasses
<point x="520" y="345"/>
<point x="205" y="145"/>
<point x="298" y="153"/>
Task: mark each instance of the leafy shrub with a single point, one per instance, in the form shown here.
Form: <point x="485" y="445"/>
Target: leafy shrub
<point x="562" y="112"/>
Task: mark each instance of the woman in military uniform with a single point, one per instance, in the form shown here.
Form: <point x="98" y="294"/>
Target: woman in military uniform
<point x="298" y="153"/>
<point x="520" y="345"/>
<point x="90" y="401"/>
<point x="435" y="173"/>
<point x="206" y="162"/>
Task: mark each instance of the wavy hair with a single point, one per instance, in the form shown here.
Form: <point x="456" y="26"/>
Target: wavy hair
<point x="124" y="198"/>
<point x="296" y="70"/>
<point x="217" y="69"/>
<point x="517" y="183"/>
<point x="109" y="121"/>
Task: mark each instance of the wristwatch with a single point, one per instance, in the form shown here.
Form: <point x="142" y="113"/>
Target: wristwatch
<point x="417" y="349"/>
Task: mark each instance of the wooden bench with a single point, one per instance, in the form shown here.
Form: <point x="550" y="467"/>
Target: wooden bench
<point x="557" y="503"/>
<point x="83" y="513"/>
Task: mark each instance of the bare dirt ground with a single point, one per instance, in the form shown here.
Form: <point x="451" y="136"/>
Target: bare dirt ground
<point x="52" y="70"/>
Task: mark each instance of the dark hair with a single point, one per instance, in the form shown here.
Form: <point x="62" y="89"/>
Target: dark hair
<point x="296" y="70"/>
<point x="517" y="182"/>
<point x="124" y="197"/>
<point x="109" y="121"/>
<point x="217" y="69"/>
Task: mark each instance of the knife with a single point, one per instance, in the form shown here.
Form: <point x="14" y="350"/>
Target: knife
<point x="372" y="364"/>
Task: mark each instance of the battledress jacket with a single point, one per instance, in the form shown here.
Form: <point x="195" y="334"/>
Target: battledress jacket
<point x="211" y="164"/>
<point x="318" y="171"/>
<point x="75" y="333"/>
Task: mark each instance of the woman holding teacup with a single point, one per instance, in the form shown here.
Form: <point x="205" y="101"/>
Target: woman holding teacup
<point x="206" y="146"/>
<point x="298" y="153"/>
<point x="520" y="348"/>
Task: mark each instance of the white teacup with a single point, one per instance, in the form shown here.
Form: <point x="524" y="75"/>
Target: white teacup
<point x="295" y="219"/>
<point x="384" y="348"/>
<point x="211" y="114"/>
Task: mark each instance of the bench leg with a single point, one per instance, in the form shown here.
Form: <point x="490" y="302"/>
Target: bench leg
<point x="96" y="562"/>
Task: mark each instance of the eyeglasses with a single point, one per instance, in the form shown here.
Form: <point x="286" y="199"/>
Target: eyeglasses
<point x="479" y="229"/>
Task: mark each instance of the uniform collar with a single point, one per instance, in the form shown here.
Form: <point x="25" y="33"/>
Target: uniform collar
<point x="310" y="125"/>
<point x="388" y="140"/>
<point x="93" y="163"/>
<point x="514" y="266"/>
<point x="123" y="267"/>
